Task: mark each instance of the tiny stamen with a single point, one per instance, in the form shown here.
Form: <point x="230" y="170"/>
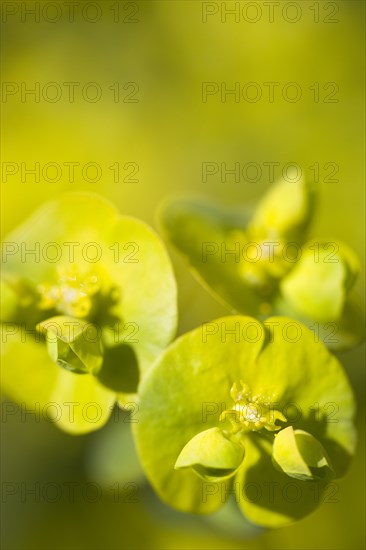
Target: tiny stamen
<point x="252" y="412"/>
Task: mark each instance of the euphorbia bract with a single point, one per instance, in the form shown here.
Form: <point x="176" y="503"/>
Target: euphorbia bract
<point x="89" y="301"/>
<point x="257" y="261"/>
<point x="241" y="406"/>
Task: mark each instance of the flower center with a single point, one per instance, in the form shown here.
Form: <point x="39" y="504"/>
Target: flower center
<point x="252" y="412"/>
<point x="264" y="263"/>
<point x="74" y="294"/>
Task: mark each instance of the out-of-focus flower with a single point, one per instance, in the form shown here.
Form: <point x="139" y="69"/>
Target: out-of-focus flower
<point x="256" y="260"/>
<point x="89" y="301"/>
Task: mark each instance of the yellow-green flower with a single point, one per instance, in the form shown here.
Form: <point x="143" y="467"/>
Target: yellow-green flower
<point x="89" y="302"/>
<point x="261" y="411"/>
<point x="256" y="260"/>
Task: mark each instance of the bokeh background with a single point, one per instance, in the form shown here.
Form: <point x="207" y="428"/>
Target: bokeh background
<point x="167" y="50"/>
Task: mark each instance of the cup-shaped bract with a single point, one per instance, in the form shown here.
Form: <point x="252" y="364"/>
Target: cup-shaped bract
<point x="318" y="285"/>
<point x="68" y="347"/>
<point x="300" y="455"/>
<point x="211" y="455"/>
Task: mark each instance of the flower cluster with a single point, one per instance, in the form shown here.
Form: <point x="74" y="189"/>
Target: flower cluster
<point x="95" y="328"/>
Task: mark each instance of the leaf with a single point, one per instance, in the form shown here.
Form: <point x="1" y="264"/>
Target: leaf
<point x="183" y="394"/>
<point x="83" y="404"/>
<point x="316" y="385"/>
<point x="147" y="305"/>
<point x="211" y="455"/>
<point x="75" y="403"/>
<point x="120" y="370"/>
<point x="268" y="497"/>
<point x="212" y="239"/>
<point x="9" y="304"/>
<point x="77" y="219"/>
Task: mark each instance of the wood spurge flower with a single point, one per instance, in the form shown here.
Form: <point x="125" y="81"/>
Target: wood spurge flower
<point x="219" y="415"/>
<point x="89" y="301"/>
<point x="252" y="412"/>
<point x="257" y="261"/>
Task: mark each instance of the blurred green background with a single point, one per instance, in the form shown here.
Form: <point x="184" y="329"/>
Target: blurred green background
<point x="166" y="49"/>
